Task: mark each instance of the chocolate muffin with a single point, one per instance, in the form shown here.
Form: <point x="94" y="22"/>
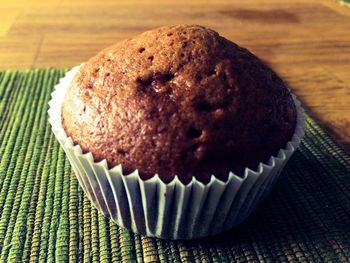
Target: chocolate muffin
<point x="179" y="100"/>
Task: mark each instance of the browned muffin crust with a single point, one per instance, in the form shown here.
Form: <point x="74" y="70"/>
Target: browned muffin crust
<point x="179" y="100"/>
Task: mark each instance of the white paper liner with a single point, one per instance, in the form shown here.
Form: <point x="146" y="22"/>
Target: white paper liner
<point x="172" y="210"/>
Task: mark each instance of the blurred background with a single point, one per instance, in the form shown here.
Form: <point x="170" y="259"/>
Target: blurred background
<point x="306" y="42"/>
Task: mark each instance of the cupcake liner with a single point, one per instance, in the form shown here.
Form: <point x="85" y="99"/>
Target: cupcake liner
<point x="173" y="210"/>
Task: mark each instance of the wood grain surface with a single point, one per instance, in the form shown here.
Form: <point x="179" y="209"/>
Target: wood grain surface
<point x="307" y="42"/>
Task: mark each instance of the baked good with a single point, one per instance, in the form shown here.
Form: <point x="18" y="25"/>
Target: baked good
<point x="179" y="100"/>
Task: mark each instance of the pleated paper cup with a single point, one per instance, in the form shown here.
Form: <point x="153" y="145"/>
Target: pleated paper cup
<point x="169" y="210"/>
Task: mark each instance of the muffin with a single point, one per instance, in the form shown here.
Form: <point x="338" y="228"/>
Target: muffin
<point x="179" y="100"/>
<point x="177" y="133"/>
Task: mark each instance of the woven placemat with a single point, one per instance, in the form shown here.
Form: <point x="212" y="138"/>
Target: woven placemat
<point x="44" y="215"/>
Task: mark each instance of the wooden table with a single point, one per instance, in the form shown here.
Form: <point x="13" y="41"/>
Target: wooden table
<point x="307" y="42"/>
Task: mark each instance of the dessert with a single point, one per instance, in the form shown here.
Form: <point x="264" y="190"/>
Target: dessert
<point x="179" y="100"/>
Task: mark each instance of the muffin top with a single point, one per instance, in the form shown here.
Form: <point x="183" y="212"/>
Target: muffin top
<point x="179" y="100"/>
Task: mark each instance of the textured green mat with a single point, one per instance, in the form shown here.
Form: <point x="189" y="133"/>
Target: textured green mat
<point x="44" y="215"/>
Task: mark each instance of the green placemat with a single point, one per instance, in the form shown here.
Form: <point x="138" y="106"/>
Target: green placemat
<point x="44" y="215"/>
